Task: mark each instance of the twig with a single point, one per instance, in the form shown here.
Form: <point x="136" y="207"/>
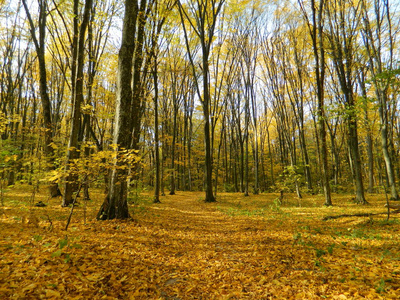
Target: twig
<point x="51" y="223"/>
<point x="2" y="184"/>
<point x="73" y="204"/>
<point x="387" y="203"/>
<point x="354" y="215"/>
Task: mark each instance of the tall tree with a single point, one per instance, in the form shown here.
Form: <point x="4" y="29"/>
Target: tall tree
<point x="202" y="16"/>
<point x="73" y="145"/>
<point x="378" y="42"/>
<point x="40" y="46"/>
<point x="159" y="17"/>
<point x="343" y="20"/>
<point x="316" y="29"/>
<point x="115" y="204"/>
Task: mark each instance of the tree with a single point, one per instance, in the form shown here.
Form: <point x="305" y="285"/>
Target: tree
<point x="316" y="31"/>
<point x="202" y="16"/>
<point x="379" y="43"/>
<point x="73" y="145"/>
<point x="157" y="24"/>
<point x="343" y="20"/>
<point x="248" y="39"/>
<point x="40" y="44"/>
<point x="115" y="204"/>
<point x="156" y="134"/>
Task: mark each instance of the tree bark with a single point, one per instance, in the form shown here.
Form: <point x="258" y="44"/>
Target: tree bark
<point x="374" y="43"/>
<point x="317" y="36"/>
<point x="156" y="198"/>
<point x="342" y="38"/>
<point x="205" y="16"/>
<point x="72" y="179"/>
<point x="115" y="204"/>
<point x="44" y="96"/>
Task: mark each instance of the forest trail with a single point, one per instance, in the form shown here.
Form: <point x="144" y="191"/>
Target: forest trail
<point x="237" y="248"/>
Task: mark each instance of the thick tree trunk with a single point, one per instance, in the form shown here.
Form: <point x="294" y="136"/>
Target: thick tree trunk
<point x="138" y="56"/>
<point x="115" y="204"/>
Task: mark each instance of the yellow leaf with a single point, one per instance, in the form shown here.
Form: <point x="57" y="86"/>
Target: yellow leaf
<point x="52" y="293"/>
<point x="30" y="287"/>
<point x="93" y="277"/>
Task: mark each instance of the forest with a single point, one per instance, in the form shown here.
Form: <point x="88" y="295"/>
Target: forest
<point x="214" y="96"/>
<point x="199" y="149"/>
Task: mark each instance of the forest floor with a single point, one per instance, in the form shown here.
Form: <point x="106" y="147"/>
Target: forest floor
<point x="237" y="248"/>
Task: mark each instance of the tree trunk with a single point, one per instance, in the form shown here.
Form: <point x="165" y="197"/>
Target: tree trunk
<point x="386" y="155"/>
<point x="207" y="136"/>
<point x="379" y="45"/>
<point x="45" y="99"/>
<point x="206" y="21"/>
<point x="317" y="35"/>
<point x="72" y="179"/>
<point x="355" y="155"/>
<point x="138" y="56"/>
<point x="156" y="138"/>
<point x="174" y="133"/>
<point x="361" y="79"/>
<point x="115" y="204"/>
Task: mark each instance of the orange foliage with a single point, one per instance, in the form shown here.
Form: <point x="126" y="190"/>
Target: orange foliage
<point x="238" y="248"/>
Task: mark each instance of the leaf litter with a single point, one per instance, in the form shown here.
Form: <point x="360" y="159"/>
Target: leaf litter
<point x="237" y="248"/>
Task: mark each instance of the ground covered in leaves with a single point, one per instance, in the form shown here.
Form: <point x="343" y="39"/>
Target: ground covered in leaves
<point x="237" y="248"/>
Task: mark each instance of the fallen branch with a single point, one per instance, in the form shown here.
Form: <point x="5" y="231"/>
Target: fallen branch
<point x="393" y="206"/>
<point x="73" y="204"/>
<point x="356" y="215"/>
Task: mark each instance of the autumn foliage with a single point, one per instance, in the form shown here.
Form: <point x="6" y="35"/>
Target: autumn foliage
<point x="257" y="247"/>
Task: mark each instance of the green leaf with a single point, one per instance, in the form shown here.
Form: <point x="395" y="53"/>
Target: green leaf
<point x="63" y="243"/>
<point x="37" y="238"/>
<point x="76" y="246"/>
<point x="58" y="253"/>
<point x="67" y="258"/>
